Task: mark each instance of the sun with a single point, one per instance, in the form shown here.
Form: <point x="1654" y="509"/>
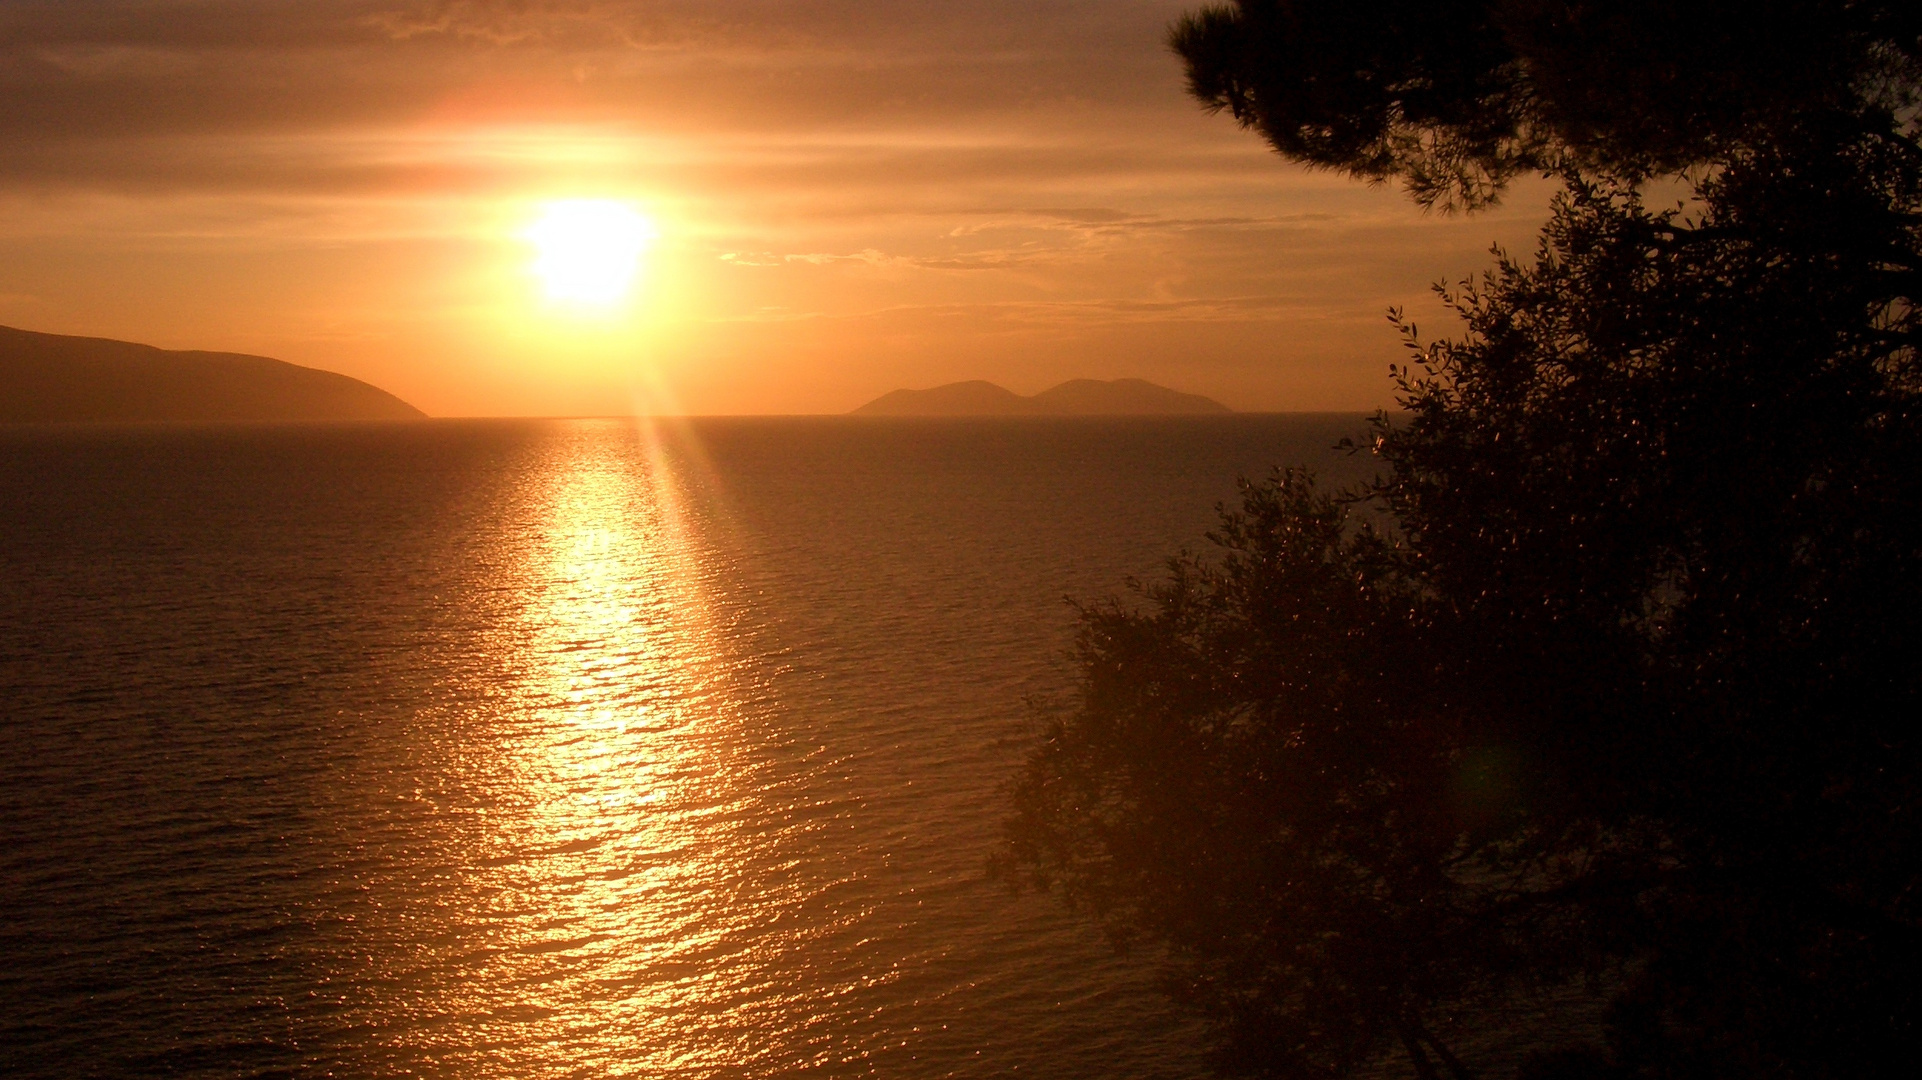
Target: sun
<point x="588" y="251"/>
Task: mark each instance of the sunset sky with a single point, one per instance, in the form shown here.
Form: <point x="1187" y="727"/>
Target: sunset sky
<point x="833" y="199"/>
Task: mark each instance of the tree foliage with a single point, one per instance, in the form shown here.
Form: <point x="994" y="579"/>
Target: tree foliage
<point x="1614" y="669"/>
<point x="1454" y="97"/>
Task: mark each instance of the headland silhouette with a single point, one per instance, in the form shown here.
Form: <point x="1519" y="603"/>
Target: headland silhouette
<point x="55" y="378"/>
<point x="1076" y="397"/>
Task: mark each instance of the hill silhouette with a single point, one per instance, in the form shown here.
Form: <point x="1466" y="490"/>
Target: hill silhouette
<point x="54" y="378"/>
<point x="1076" y="397"/>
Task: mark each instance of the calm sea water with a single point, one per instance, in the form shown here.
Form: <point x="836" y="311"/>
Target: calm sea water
<point x="544" y="749"/>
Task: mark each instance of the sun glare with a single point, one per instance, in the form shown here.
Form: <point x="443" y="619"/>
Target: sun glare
<point x="588" y="251"/>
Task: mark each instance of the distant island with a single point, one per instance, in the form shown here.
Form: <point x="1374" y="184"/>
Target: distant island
<point x="53" y="378"/>
<point x="1076" y="397"/>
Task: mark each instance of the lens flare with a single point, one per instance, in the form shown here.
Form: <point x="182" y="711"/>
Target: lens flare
<point x="588" y="251"/>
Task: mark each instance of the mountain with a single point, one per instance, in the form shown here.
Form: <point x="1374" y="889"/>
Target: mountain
<point x="52" y="378"/>
<point x="976" y="398"/>
<point x="1121" y="397"/>
<point x="1076" y="397"/>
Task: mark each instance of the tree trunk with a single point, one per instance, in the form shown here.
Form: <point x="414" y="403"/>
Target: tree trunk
<point x="1411" y="1036"/>
<point x="1455" y="1067"/>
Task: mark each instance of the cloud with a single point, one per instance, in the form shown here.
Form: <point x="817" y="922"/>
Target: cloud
<point x="869" y="257"/>
<point x="1108" y="311"/>
<point x="572" y="24"/>
<point x="1103" y="310"/>
<point x="118" y="66"/>
<point x="1099" y="220"/>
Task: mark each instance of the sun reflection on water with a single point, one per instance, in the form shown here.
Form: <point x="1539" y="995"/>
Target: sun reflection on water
<point x="618" y="852"/>
<point x="559" y="749"/>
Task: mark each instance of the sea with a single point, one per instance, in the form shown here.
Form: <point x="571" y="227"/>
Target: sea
<point x="569" y="748"/>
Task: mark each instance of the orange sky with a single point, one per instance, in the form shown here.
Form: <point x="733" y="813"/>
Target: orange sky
<point x="848" y="197"/>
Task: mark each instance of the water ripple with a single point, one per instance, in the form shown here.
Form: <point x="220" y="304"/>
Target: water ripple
<point x="543" y="749"/>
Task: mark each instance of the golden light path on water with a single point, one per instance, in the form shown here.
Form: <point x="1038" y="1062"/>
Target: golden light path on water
<point x="634" y="875"/>
<point x="566" y="748"/>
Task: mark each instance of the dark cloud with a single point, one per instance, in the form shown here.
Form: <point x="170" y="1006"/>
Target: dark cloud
<point x="96" y="90"/>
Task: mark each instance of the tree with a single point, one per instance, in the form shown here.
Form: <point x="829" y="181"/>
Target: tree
<point x="1263" y="779"/>
<point x="1614" y="668"/>
<point x="1455" y="97"/>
